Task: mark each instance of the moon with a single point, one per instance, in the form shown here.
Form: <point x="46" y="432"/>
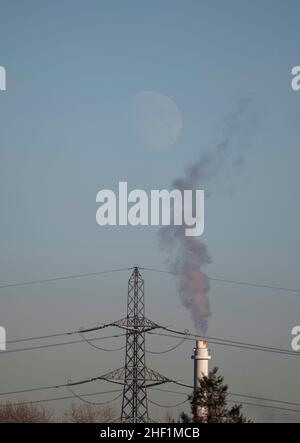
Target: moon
<point x="157" y="121"/>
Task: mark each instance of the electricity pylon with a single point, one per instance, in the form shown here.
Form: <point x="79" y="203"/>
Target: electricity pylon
<point x="135" y="376"/>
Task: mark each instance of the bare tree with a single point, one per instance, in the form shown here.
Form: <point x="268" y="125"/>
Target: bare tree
<point x="168" y="418"/>
<point x="89" y="414"/>
<point x="24" y="413"/>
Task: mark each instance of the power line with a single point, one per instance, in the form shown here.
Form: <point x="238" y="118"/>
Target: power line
<point x="89" y="380"/>
<point x="234" y="282"/>
<point x="231" y="401"/>
<point x="230" y="343"/>
<point x="41" y="337"/>
<point x="167" y="391"/>
<point x="46" y="400"/>
<point x="253" y="397"/>
<point x="266" y="406"/>
<point x="71" y="342"/>
<point x="42" y="388"/>
<point x="92" y="274"/>
<point x="167" y="350"/>
<point x="89" y="341"/>
<point x="187" y="337"/>
<point x="264" y="399"/>
<point x="59" y="334"/>
<point x="175" y="333"/>
<point x="167" y="406"/>
<point x="67" y="397"/>
<point x="178" y="383"/>
<point x="64" y="277"/>
<point x="213" y="340"/>
<point x="256" y="285"/>
<point x="81" y="397"/>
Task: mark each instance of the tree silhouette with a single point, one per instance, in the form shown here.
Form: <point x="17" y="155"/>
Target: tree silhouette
<point x="209" y="403"/>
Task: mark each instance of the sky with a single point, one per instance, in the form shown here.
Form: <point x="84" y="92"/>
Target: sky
<point x="69" y="126"/>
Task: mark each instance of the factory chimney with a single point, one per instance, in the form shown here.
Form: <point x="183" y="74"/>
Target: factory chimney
<point x="201" y="358"/>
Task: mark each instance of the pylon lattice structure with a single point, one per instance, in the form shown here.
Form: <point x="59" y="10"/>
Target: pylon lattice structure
<point x="135" y="376"/>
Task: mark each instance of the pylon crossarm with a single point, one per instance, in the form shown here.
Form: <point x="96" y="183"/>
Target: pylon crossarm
<point x="138" y="329"/>
<point x="117" y="376"/>
<point x="106" y="377"/>
<point x="82" y="382"/>
<point x="136" y="324"/>
<point x="158" y="383"/>
<point x="112" y="381"/>
<point x="96" y="328"/>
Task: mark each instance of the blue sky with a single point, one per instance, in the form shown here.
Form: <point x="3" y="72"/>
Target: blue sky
<point x="73" y="68"/>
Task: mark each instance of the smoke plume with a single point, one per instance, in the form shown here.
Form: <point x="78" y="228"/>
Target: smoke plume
<point x="188" y="256"/>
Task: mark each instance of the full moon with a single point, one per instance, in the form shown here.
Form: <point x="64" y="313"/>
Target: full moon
<point x="157" y="121"/>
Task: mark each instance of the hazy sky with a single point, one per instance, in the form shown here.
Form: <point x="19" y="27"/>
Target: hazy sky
<point x="67" y="130"/>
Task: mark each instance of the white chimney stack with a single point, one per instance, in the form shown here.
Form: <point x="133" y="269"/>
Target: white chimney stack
<point x="201" y="358"/>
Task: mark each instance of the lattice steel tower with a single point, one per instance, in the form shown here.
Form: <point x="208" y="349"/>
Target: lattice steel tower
<point x="135" y="376"/>
<point x="135" y="404"/>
